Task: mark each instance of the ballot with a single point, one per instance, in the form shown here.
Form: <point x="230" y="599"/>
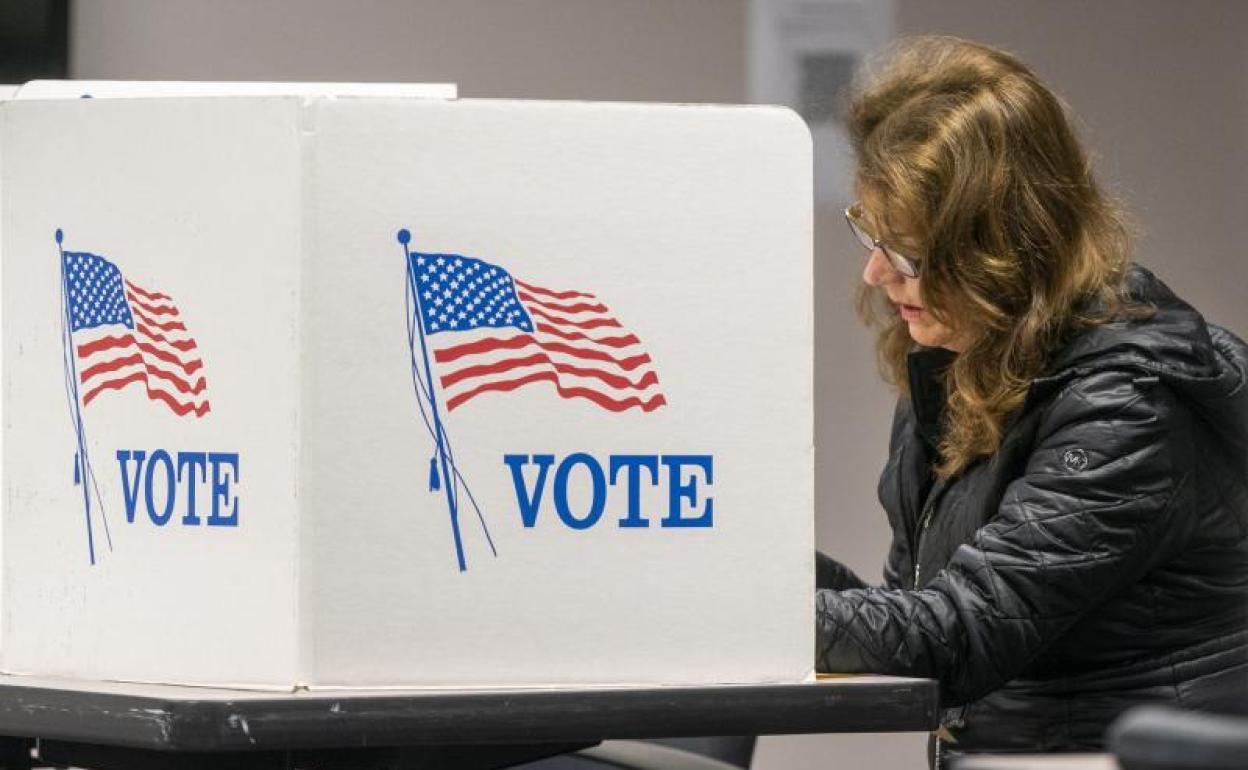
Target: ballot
<point x="387" y="388"/>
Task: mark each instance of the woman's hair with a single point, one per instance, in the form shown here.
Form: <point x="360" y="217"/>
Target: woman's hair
<point x="967" y="161"/>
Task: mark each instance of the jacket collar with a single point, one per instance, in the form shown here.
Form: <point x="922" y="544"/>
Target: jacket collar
<point x="925" y="369"/>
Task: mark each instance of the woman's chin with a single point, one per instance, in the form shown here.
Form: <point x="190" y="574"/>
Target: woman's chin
<point x="929" y="337"/>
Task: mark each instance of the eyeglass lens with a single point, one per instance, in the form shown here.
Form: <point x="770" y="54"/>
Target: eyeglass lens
<point x="900" y="263"/>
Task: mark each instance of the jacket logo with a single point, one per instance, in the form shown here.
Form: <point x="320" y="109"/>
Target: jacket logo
<point x="1075" y="459"/>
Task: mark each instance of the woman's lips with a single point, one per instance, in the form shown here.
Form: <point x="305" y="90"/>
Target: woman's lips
<point x="909" y="312"/>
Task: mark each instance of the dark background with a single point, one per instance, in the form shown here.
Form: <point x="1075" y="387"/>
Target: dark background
<point x="34" y="40"/>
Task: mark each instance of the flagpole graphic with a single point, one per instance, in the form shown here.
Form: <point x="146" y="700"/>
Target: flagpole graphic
<point x="83" y="473"/>
<point x="448" y="482"/>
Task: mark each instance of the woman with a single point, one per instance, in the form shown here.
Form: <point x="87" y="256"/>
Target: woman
<point x="1067" y="480"/>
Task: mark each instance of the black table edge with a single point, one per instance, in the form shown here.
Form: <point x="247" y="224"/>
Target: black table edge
<point x="456" y="717"/>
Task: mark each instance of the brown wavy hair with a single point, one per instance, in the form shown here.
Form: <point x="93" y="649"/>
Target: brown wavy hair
<point x="966" y="160"/>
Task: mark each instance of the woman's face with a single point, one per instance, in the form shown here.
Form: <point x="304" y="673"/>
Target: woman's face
<point x="904" y="293"/>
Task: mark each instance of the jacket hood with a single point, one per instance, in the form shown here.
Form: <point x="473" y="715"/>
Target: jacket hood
<point x="1204" y="363"/>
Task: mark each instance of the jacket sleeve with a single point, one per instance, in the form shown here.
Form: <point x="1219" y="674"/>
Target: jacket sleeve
<point x="830" y="573"/>
<point x="1103" y="498"/>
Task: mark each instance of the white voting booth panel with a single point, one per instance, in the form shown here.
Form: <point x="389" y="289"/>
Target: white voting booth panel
<point x="134" y="89"/>
<point x="78" y="89"/>
<point x="381" y="391"/>
<point x="6" y="93"/>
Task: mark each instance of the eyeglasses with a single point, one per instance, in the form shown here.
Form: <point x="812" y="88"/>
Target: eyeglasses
<point x="907" y="266"/>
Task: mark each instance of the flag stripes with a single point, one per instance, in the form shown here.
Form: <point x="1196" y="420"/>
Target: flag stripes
<point x="125" y="334"/>
<point x="492" y="333"/>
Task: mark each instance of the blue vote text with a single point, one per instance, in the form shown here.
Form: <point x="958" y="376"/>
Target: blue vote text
<point x="688" y="480"/>
<point x="196" y="487"/>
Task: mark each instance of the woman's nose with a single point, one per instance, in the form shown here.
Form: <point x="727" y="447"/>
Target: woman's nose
<point x="879" y="270"/>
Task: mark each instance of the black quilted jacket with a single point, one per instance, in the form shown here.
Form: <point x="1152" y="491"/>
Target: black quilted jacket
<point x="1097" y="561"/>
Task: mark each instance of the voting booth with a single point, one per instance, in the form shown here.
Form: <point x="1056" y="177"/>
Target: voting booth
<point x="401" y="390"/>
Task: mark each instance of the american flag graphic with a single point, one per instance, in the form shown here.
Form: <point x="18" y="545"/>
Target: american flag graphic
<point x="126" y="335"/>
<point x="490" y="332"/>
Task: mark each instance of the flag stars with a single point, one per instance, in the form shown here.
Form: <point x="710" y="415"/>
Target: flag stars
<point x="460" y="293"/>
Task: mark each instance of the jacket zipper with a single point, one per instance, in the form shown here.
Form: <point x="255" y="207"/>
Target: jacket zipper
<point x="925" y="520"/>
<point x="919" y="544"/>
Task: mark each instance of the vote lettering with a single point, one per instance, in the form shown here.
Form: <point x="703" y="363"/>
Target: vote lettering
<point x="687" y="504"/>
<point x="169" y="485"/>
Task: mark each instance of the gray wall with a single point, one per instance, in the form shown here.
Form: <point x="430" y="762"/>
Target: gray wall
<point x="1161" y="89"/>
<point x="656" y="50"/>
